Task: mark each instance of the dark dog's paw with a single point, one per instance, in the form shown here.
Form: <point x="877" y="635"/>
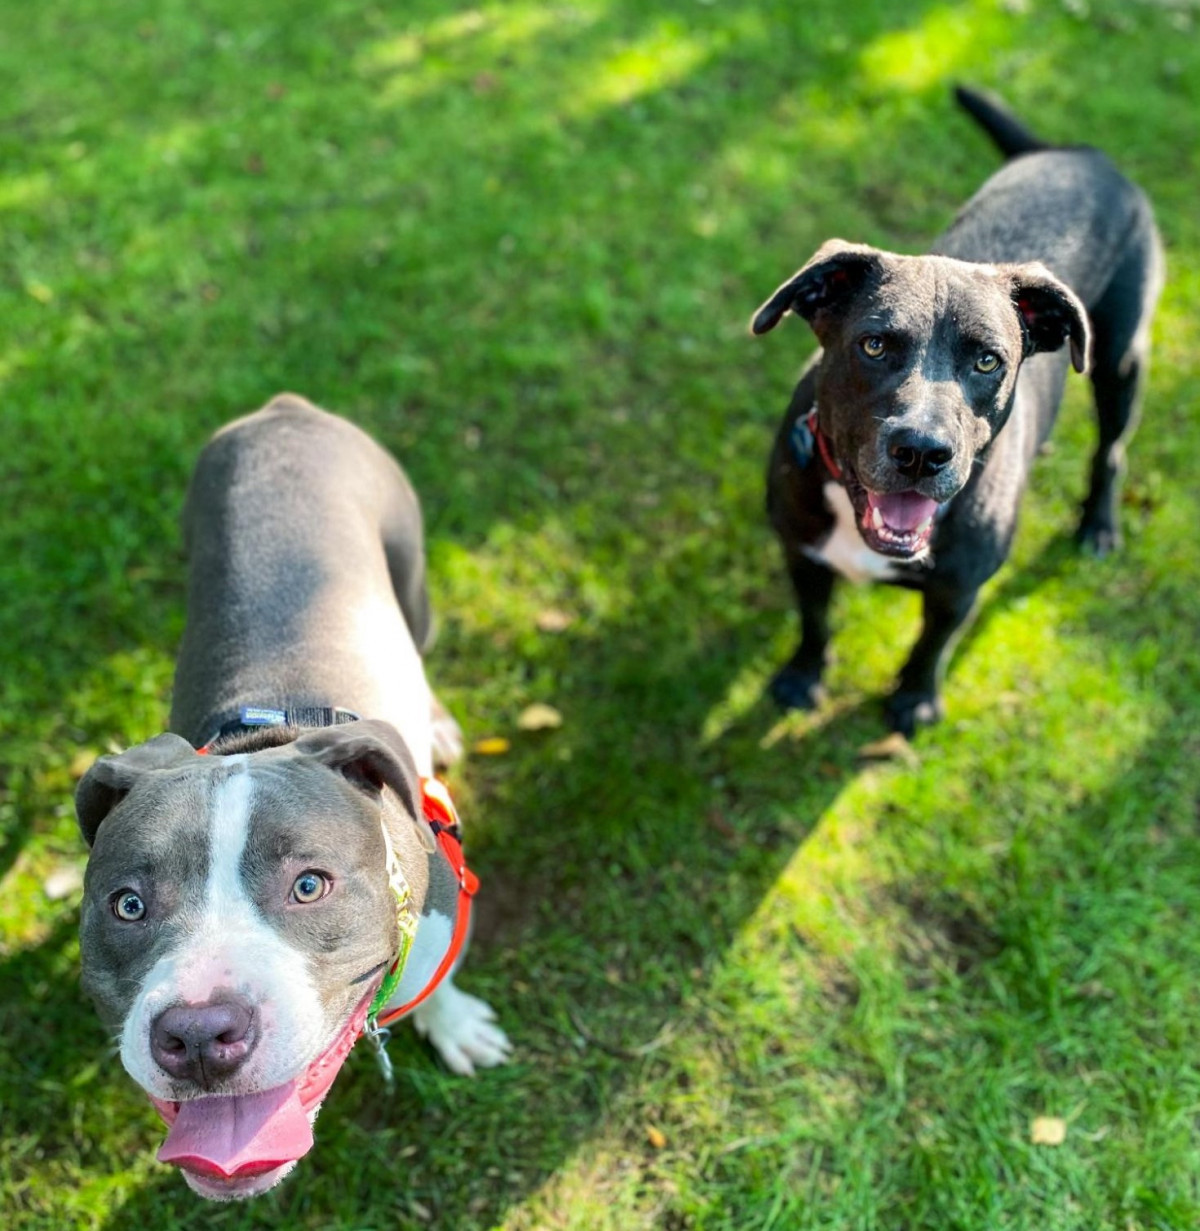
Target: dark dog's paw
<point x="906" y="711"/>
<point x="794" y="689"/>
<point x="1098" y="538"/>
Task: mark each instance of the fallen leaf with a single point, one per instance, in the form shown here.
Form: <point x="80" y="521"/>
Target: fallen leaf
<point x="656" y="1137"/>
<point x="551" y="620"/>
<point x="539" y="717"/>
<point x="491" y="746"/>
<point x="1093" y="989"/>
<point x="63" y="881"/>
<point x="720" y="823"/>
<point x="892" y="747"/>
<point x="1048" y="1131"/>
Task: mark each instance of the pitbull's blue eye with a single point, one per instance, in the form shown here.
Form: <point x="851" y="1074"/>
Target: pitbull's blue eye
<point x="987" y="362"/>
<point x="128" y="907"/>
<point x="873" y="346"/>
<point x="309" y="887"/>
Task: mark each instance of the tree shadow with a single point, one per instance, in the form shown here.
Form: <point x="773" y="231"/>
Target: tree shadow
<point x="603" y="913"/>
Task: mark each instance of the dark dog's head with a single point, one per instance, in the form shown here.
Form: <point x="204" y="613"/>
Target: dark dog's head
<point x="920" y="363"/>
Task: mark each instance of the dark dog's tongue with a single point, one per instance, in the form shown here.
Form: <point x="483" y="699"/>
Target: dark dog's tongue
<point x="248" y="1133"/>
<point x="903" y="511"/>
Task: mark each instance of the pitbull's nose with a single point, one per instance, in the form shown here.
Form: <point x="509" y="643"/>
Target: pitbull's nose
<point x="916" y="455"/>
<point x="201" y="1042"/>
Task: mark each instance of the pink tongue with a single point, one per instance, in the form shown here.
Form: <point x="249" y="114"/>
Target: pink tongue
<point x="902" y="510"/>
<point x="224" y="1135"/>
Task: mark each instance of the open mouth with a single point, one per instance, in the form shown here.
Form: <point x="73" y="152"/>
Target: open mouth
<point x="231" y="1146"/>
<point x="896" y="524"/>
<point x="237" y="1145"/>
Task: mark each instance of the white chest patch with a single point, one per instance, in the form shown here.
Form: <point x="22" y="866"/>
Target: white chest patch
<point x="844" y="550"/>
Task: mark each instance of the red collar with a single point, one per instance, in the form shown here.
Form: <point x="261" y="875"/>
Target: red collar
<point x="823" y="446"/>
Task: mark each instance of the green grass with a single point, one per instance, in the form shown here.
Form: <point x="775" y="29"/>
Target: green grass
<point x="520" y="243"/>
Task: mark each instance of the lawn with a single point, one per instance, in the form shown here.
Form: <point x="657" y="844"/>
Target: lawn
<point x="753" y="980"/>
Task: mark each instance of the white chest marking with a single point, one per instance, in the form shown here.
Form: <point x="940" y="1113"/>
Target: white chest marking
<point x="844" y="550"/>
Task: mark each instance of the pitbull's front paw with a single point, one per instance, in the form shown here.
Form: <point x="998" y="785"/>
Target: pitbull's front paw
<point x="906" y="711"/>
<point x="794" y="688"/>
<point x="462" y="1030"/>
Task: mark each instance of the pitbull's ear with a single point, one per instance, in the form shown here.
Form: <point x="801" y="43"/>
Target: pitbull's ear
<point x="111" y="778"/>
<point x="370" y="755"/>
<point x="836" y="271"/>
<point x="1051" y="313"/>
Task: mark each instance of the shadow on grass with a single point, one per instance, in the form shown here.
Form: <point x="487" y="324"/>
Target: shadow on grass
<point x="602" y="906"/>
<point x="601" y="926"/>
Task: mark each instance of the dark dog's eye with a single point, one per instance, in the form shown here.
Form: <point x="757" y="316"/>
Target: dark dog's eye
<point x="873" y="346"/>
<point x="987" y="362"/>
<point x="128" y="907"/>
<point x="309" y="887"/>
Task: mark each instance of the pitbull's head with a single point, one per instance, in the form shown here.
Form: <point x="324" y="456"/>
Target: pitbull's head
<point x="237" y="919"/>
<point x="919" y="367"/>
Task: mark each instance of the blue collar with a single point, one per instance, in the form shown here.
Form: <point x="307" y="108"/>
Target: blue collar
<point x="252" y="717"/>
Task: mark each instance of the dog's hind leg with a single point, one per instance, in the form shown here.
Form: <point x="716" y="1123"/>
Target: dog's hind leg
<point x="1121" y="323"/>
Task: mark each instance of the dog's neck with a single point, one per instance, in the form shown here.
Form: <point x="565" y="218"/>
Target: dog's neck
<point x="807" y="441"/>
<point x="250" y="728"/>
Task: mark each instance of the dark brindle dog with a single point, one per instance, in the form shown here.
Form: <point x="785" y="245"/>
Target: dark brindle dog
<point x="909" y="439"/>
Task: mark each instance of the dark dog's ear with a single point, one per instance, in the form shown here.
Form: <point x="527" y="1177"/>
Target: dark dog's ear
<point x="111" y="778"/>
<point x="370" y="755"/>
<point x="1051" y="313"/>
<point x="836" y="271"/>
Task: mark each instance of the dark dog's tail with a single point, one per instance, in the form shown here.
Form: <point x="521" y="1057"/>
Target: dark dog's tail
<point x="1009" y="134"/>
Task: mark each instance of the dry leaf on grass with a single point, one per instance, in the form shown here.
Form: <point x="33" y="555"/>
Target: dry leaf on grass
<point x="539" y="717"/>
<point x="552" y="620"/>
<point x="892" y="747"/>
<point x="1048" y="1131"/>
<point x="491" y="746"/>
<point x="720" y="823"/>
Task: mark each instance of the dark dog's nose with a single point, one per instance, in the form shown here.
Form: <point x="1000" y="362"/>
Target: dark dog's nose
<point x="917" y="456"/>
<point x="201" y="1042"/>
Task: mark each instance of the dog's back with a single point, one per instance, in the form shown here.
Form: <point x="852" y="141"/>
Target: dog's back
<point x="1066" y="206"/>
<point x="275" y="610"/>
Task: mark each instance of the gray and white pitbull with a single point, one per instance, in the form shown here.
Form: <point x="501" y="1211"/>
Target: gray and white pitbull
<point x="242" y="907"/>
<point x="908" y="441"/>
